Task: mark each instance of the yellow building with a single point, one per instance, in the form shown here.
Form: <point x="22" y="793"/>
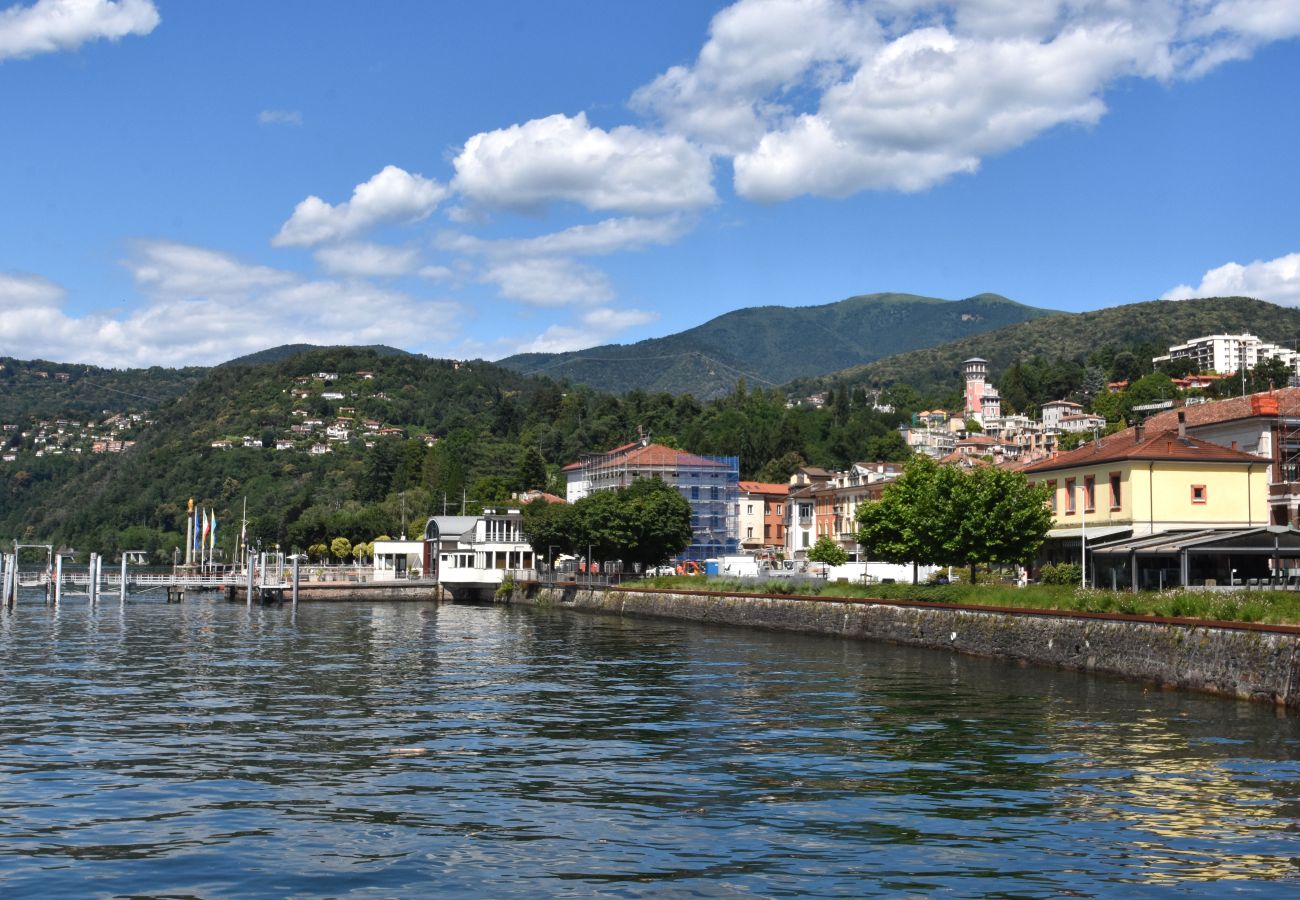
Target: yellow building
<point x="1135" y="484"/>
<point x="1150" y="482"/>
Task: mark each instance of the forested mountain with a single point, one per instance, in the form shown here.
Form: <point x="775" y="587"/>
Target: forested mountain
<point x="285" y="351"/>
<point x="440" y="432"/>
<point x="37" y="387"/>
<point x="770" y="345"/>
<point x="1117" y="342"/>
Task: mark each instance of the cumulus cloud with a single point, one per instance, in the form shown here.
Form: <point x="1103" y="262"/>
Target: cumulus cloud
<point x="368" y="260"/>
<point x="279" y="117"/>
<point x="831" y="97"/>
<point x="1275" y="280"/>
<point x="203" y="307"/>
<point x="565" y="159"/>
<point x="597" y="326"/>
<point x="549" y="282"/>
<point x="48" y="26"/>
<point x="392" y="195"/>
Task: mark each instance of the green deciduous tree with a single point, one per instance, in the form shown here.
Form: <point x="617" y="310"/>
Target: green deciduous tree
<point x="941" y="515"/>
<point x="827" y="551"/>
<point x="341" y="548"/>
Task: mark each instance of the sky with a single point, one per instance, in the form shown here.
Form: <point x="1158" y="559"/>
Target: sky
<point x="182" y="183"/>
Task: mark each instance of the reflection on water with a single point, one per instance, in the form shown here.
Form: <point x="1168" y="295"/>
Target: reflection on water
<point x="209" y="749"/>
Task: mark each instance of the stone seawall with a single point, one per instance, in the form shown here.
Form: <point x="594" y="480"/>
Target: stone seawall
<point x="1248" y="663"/>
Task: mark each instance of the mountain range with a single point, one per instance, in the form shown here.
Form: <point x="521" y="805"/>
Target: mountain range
<point x="768" y="346"/>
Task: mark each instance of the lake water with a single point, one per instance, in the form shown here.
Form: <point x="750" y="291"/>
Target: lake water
<point x="357" y="750"/>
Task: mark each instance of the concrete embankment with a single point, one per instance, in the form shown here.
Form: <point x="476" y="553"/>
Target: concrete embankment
<point x="1246" y="661"/>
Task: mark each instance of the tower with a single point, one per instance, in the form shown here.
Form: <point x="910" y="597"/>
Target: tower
<point x="976" y="373"/>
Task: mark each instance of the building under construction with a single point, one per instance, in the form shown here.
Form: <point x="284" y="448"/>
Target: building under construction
<point x="710" y="484"/>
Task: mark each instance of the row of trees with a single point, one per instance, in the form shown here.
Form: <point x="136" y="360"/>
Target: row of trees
<point x="942" y="515"/>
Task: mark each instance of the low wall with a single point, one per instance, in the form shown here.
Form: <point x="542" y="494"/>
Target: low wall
<point x="1249" y="662"/>
<point x="341" y="590"/>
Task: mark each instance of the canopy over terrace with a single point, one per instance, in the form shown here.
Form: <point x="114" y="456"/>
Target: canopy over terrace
<point x="1206" y="558"/>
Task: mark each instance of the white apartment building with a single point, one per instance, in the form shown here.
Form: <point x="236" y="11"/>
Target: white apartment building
<point x="1227" y="353"/>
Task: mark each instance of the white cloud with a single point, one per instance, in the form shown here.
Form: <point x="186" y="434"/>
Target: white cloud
<point x="563" y="159"/>
<point x="1275" y="280"/>
<point x="368" y="260"/>
<point x="549" y="282"/>
<point x="597" y="239"/>
<point x="25" y="292"/>
<point x="598" y="326"/>
<point x="435" y="273"/>
<point x="48" y="26"/>
<point x="279" y="117"/>
<point x="171" y="269"/>
<point x="392" y="195"/>
<point x="203" y="307"/>
<point x="831" y="97"/>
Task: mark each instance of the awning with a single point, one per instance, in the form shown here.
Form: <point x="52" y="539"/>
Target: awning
<point x="1272" y="540"/>
<point x="1094" y="534"/>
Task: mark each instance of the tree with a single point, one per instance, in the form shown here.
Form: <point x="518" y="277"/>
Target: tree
<point x="530" y="471"/>
<point x="944" y="516"/>
<point x="341" y="548"/>
<point x="900" y="527"/>
<point x="827" y="551"/>
<point x="318" y="551"/>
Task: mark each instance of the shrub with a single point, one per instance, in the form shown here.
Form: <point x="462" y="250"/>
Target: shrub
<point x="1061" y="573"/>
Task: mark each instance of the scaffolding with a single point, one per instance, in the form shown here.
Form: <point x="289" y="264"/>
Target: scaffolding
<point x="710" y="484"/>
<point x="1284" y="491"/>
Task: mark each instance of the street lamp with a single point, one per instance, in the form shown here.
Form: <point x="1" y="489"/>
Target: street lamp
<point x="1083" y="539"/>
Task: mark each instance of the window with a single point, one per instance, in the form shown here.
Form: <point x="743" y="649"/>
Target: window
<point x="695" y="492"/>
<point x="767" y="531"/>
<point x="1069" y="496"/>
<point x="1089" y="493"/>
<point x="1198" y="493"/>
<point x="749" y="531"/>
<point x="1115" y="497"/>
<point x="780" y="532"/>
<point x="713" y="493"/>
<point x="805" y="539"/>
<point x="749" y="509"/>
<point x="778" y="509"/>
<point x="1051" y="497"/>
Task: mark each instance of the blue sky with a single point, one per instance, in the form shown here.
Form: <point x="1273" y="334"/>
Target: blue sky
<point x="187" y="182"/>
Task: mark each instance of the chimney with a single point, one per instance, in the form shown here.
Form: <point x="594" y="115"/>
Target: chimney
<point x="1182" y="425"/>
<point x="1096" y="438"/>
<point x="1234" y="445"/>
<point x="1137" y="433"/>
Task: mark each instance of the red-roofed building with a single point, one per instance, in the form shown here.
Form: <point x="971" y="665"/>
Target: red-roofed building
<point x="1146" y="480"/>
<point x="710" y="485"/>
<point x="762" y="515"/>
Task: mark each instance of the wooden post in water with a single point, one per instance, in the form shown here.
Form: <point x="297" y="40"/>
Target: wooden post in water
<point x="92" y="583"/>
<point x="121" y="594"/>
<point x="295" y="579"/>
<point x="5" y="569"/>
<point x="58" y="578"/>
<point x="249" y="585"/>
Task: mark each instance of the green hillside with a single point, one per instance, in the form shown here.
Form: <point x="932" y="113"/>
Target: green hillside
<point x="771" y="345"/>
<point x="40" y="388"/>
<point x="420" y="433"/>
<point x="1145" y="329"/>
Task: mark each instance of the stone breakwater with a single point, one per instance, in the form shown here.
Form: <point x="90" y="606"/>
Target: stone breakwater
<point x="1258" y="663"/>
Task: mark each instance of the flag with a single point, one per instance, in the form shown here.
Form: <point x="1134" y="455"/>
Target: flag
<point x="205" y="528"/>
<point x="212" y="534"/>
<point x="197" y="536"/>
